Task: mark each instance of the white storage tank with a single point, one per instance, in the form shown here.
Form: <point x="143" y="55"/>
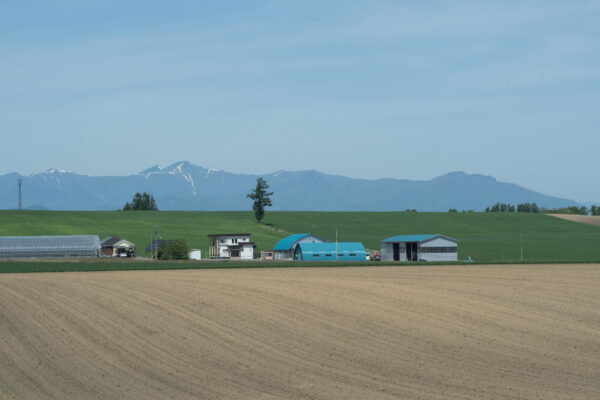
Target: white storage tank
<point x="195" y="254"/>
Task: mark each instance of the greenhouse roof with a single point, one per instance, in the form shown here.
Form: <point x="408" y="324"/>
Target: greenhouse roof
<point x="49" y="245"/>
<point x="75" y="241"/>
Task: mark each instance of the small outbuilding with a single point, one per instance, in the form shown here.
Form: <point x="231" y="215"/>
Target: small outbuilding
<point x="114" y="246"/>
<point x="286" y="247"/>
<point x="432" y="247"/>
<point x="343" y="251"/>
<point x="231" y="246"/>
<point x="195" y="254"/>
<point x="49" y="246"/>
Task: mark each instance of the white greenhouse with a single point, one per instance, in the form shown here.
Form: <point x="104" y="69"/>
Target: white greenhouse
<point x="49" y="246"/>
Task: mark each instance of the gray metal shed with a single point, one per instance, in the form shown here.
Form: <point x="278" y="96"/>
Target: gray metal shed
<point x="419" y="248"/>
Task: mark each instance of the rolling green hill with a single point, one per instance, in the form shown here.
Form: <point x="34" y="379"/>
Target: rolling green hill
<point x="485" y="237"/>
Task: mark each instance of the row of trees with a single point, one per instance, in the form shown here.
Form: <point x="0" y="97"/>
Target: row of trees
<point x="141" y="201"/>
<point x="502" y="207"/>
<point x="533" y="208"/>
<point x="522" y="208"/>
<point x="568" y="210"/>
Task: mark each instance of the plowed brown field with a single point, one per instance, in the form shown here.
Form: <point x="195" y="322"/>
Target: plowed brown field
<point x="459" y="332"/>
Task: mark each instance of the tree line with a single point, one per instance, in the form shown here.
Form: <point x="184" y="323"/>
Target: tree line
<point x="534" y="208"/>
<point x="141" y="201"/>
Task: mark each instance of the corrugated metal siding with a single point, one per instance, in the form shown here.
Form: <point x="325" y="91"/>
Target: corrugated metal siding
<point x="387" y="252"/>
<point x="343" y="251"/>
<point x="441" y="257"/>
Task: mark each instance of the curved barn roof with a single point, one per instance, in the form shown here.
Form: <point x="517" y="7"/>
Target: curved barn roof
<point x="288" y="242"/>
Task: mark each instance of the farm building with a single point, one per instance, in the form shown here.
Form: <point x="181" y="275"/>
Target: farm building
<point x="49" y="246"/>
<point x="285" y="248"/>
<point x="231" y="246"/>
<point x="419" y="248"/>
<point x="114" y="246"/>
<point x="195" y="254"/>
<point x="343" y="251"/>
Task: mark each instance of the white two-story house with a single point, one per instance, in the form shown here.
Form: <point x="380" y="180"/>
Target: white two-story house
<point x="237" y="246"/>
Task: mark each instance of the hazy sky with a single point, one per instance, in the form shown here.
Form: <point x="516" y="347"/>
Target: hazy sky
<point x="400" y="89"/>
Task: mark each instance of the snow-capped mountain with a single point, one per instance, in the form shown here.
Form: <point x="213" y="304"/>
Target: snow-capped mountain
<point x="183" y="186"/>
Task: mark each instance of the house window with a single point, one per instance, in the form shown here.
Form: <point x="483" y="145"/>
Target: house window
<point x="352" y="255"/>
<point x="340" y="255"/>
<point x="327" y="255"/>
<point x="222" y="241"/>
<point x="316" y="255"/>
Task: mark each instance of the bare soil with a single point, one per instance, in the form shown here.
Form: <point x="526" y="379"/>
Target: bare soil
<point x="585" y="219"/>
<point x="434" y="332"/>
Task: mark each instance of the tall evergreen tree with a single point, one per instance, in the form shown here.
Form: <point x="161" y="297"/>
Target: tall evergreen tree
<point x="260" y="198"/>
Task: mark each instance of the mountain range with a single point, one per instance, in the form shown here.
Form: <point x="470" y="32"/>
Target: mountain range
<point x="184" y="186"/>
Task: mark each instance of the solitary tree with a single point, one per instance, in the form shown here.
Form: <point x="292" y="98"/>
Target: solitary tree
<point x="260" y="198"/>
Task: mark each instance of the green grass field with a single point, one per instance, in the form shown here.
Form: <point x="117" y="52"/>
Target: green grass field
<point x="485" y="237"/>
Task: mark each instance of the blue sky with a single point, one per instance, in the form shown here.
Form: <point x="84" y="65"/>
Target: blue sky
<point x="400" y="89"/>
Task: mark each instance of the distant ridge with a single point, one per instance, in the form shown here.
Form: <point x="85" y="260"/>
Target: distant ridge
<point x="184" y="186"/>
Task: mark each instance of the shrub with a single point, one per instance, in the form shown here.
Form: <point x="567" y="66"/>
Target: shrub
<point x="174" y="250"/>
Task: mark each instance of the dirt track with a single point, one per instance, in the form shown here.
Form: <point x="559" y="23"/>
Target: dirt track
<point x="585" y="219"/>
<point x="514" y="332"/>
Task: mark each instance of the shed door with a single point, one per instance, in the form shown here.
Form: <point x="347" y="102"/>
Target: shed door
<point x="412" y="252"/>
<point x="396" y="251"/>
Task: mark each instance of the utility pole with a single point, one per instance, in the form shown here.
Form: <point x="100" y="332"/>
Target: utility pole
<point x="336" y="243"/>
<point x="521" y="245"/>
<point x="156" y="241"/>
<point x="20" y="197"/>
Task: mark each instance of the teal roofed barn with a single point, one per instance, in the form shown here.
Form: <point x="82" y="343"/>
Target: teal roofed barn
<point x="342" y="251"/>
<point x="286" y="247"/>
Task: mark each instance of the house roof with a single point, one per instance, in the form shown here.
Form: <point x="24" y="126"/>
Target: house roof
<point x="341" y="247"/>
<point x="110" y="241"/>
<point x="415" y="238"/>
<point x="124" y="243"/>
<point x="229" y="234"/>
